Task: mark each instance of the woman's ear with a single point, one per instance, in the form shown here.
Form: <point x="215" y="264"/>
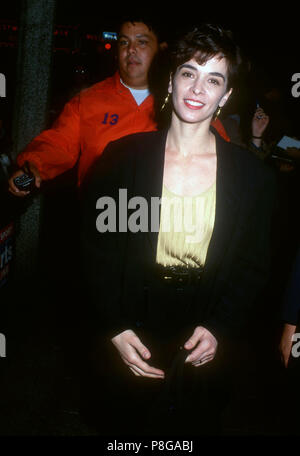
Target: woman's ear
<point x="225" y="97"/>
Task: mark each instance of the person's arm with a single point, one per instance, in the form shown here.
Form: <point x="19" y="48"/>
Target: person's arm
<point x="104" y="260"/>
<point x="246" y="276"/>
<point x="290" y="313"/>
<point x="54" y="151"/>
<point x="259" y="123"/>
<point x="286" y="342"/>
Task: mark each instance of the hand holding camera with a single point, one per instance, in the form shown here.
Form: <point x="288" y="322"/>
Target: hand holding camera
<point x="24" y="180"/>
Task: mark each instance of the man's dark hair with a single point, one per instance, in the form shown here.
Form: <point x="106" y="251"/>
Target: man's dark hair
<point x="150" y="22"/>
<point x="204" y="43"/>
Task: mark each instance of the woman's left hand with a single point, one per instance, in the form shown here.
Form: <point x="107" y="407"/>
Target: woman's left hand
<point x="204" y="345"/>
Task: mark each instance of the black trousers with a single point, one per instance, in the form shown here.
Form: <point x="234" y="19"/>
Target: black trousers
<point x="187" y="402"/>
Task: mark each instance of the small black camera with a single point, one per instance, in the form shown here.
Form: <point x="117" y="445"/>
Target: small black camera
<point x="25" y="182"/>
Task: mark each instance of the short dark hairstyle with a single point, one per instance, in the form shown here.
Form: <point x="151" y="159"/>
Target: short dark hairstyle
<point x="204" y="43"/>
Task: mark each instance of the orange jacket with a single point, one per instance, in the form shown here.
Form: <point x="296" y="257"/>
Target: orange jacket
<point x="89" y="121"/>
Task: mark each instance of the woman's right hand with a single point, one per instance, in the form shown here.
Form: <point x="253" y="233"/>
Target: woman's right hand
<point x="286" y="342"/>
<point x="132" y="352"/>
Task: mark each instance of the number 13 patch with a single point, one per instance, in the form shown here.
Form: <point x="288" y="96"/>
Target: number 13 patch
<point x="110" y="119"/>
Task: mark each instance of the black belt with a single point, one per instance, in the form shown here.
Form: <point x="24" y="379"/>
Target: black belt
<point x="179" y="276"/>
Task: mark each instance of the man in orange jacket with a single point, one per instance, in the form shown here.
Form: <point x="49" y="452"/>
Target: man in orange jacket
<point x="108" y="110"/>
<point x="118" y="106"/>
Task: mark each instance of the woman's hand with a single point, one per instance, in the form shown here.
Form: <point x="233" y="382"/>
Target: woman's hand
<point x="204" y="345"/>
<point x="132" y="352"/>
<point x="286" y="342"/>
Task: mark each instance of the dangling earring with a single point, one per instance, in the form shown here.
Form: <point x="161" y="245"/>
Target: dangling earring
<point x="217" y="113"/>
<point x="165" y="102"/>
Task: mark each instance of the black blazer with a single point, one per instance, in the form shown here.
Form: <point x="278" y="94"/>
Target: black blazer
<point x="116" y="265"/>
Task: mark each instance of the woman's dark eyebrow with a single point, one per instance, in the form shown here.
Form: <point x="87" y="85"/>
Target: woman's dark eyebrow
<point x="187" y="65"/>
<point x="213" y="73"/>
<point x="220" y="75"/>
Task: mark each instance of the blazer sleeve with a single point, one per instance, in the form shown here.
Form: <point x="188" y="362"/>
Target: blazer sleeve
<point x="247" y="271"/>
<point x="103" y="253"/>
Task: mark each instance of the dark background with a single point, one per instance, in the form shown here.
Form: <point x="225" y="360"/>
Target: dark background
<point x="267" y="33"/>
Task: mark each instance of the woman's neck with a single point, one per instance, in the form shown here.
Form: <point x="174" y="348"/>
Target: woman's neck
<point x="190" y="139"/>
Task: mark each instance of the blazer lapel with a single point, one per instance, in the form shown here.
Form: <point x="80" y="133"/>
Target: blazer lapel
<point x="149" y="181"/>
<point x="227" y="204"/>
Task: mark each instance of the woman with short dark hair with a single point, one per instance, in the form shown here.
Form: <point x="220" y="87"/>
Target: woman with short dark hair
<point x="172" y="295"/>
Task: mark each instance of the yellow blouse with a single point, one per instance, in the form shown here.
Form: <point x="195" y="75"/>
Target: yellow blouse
<point x="186" y="225"/>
